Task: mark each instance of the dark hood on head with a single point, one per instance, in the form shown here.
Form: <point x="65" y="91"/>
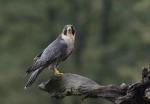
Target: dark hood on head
<point x="73" y="30"/>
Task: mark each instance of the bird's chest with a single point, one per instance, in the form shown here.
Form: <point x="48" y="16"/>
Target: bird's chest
<point x="70" y="48"/>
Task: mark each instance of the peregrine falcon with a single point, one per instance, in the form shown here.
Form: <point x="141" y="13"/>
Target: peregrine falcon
<point x="53" y="54"/>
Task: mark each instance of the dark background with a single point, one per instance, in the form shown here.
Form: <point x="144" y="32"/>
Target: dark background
<point x="112" y="43"/>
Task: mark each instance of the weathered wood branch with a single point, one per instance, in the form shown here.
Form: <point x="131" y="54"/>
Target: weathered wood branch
<point x="75" y="85"/>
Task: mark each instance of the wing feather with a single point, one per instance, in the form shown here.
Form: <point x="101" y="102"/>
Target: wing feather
<point x="50" y="54"/>
<point x="37" y="56"/>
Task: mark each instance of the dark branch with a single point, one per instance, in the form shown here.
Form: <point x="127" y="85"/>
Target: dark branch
<point x="75" y="85"/>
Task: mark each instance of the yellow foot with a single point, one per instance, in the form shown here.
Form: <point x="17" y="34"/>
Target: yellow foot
<point x="56" y="72"/>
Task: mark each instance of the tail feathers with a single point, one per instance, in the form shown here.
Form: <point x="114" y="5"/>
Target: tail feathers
<point x="32" y="78"/>
<point x="30" y="70"/>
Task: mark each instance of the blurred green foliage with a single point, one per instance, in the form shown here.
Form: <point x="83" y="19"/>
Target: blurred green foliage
<point x="112" y="43"/>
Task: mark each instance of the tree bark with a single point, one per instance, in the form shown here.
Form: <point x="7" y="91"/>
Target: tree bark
<point x="76" y="85"/>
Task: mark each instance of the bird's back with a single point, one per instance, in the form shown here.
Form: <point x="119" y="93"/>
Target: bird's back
<point x="56" y="50"/>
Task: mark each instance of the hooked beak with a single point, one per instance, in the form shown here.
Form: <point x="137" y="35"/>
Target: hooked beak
<point x="70" y="31"/>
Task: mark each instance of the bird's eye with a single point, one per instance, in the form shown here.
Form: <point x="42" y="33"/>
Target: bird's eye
<point x="65" y="32"/>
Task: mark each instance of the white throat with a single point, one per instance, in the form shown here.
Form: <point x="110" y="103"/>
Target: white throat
<point x="69" y="39"/>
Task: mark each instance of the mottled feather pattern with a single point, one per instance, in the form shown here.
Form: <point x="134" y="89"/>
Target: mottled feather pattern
<point x="53" y="54"/>
<point x="57" y="49"/>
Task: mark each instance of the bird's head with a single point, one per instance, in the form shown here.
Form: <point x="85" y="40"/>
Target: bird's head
<point x="68" y="32"/>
